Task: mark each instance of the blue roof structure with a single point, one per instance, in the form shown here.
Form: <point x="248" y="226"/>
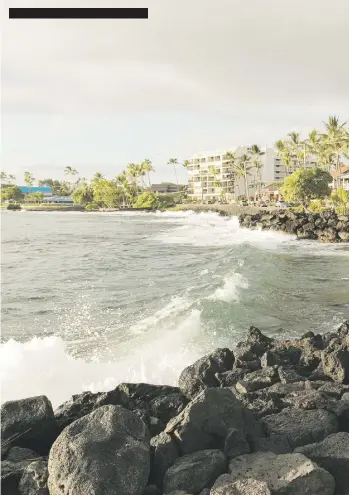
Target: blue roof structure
<point x="34" y="189"/>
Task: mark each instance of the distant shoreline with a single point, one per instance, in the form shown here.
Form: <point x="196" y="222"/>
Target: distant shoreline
<point x="228" y="210"/>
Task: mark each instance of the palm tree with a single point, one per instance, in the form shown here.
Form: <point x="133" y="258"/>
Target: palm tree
<point x="243" y="169"/>
<point x="313" y="142"/>
<point x="11" y="177"/>
<point x="280" y="146"/>
<point x="97" y="178"/>
<point x="285" y="154"/>
<point x="122" y="181"/>
<point x="256" y="153"/>
<point x="70" y="171"/>
<point x="148" y="167"/>
<point x="326" y="159"/>
<point x="3" y="177"/>
<point x="133" y="173"/>
<point x="229" y="163"/>
<point x="29" y="180"/>
<point x="297" y="147"/>
<point x="336" y="138"/>
<point x="215" y="172"/>
<point x="174" y="162"/>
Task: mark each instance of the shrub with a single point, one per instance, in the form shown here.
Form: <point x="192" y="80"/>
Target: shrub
<point x="317" y="205"/>
<point x="92" y="207"/>
<point x="14" y="207"/>
<point x="154" y="201"/>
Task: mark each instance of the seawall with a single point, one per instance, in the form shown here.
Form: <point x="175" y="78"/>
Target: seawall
<point x="53" y="208"/>
<point x="222" y="209"/>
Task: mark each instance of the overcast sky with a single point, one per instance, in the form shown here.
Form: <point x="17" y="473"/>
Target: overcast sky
<point x="197" y="75"/>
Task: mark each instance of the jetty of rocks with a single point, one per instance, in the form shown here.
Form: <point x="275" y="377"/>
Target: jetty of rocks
<point x="325" y="227"/>
<point x="270" y="417"/>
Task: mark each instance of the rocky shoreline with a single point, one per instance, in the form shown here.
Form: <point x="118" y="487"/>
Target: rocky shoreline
<point x="270" y="417"/>
<point x="324" y="227"/>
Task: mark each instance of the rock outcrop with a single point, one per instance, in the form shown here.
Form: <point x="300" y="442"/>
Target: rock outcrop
<point x="106" y="451"/>
<point x="325" y="227"/>
<point x="286" y="473"/>
<point x="29" y="423"/>
<point x="268" y="417"/>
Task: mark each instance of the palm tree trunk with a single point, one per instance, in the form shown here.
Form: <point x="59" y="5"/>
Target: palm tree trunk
<point x="175" y="171"/>
<point x="259" y="185"/>
<point x="338" y="168"/>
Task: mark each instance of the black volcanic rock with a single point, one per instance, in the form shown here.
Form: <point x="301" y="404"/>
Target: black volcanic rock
<point x="106" y="451"/>
<point x="207" y="420"/>
<point x="150" y="402"/>
<point x="202" y="374"/>
<point x="325" y="227"/>
<point x="29" y="423"/>
<point x="245" y="413"/>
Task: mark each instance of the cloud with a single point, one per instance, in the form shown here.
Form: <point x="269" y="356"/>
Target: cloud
<point x="197" y="75"/>
<point x="226" y="56"/>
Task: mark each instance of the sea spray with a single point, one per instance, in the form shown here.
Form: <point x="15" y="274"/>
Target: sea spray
<point x="43" y="365"/>
<point x="230" y="290"/>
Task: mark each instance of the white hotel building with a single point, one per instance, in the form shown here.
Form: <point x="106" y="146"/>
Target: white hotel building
<point x="202" y="183"/>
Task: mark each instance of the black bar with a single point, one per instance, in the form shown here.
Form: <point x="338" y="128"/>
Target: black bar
<point x="77" y="13"/>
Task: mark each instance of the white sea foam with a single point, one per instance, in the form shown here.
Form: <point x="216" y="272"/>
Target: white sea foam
<point x="43" y="366"/>
<point x="176" y="307"/>
<point x="230" y="291"/>
<point x="211" y="229"/>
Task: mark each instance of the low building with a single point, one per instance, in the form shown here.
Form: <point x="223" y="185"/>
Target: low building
<point x="46" y="190"/>
<point x="271" y="192"/>
<point x="58" y="199"/>
<point x="341" y="178"/>
<point x="167" y="188"/>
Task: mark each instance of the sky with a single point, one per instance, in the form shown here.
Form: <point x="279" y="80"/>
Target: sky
<point x="197" y="75"/>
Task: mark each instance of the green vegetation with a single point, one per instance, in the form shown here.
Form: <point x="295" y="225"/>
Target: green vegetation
<point x="92" y="207"/>
<point x="14" y="207"/>
<point x="340" y="199"/>
<point x="324" y="149"/>
<point x="29" y="179"/>
<point x="127" y="190"/>
<point x="11" y="193"/>
<point x="7" y="179"/>
<point x="306" y="184"/>
<point x="35" y="197"/>
<point x="59" y="188"/>
<point x="174" y="162"/>
<point x="154" y="201"/>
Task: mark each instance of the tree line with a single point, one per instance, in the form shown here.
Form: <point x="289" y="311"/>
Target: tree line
<point x="132" y="187"/>
<point x="325" y="150"/>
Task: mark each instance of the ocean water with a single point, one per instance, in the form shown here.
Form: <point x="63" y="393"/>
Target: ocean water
<point x="93" y="299"/>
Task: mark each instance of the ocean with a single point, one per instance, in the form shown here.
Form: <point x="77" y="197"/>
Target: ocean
<point x="90" y="300"/>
